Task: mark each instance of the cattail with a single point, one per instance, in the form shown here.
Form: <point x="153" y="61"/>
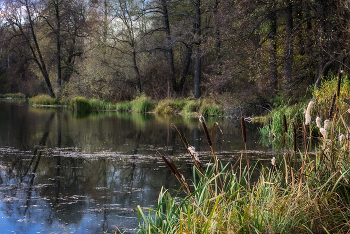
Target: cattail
<point x="273" y="161"/>
<point x="319" y="122"/>
<point x="326" y="124"/>
<point x="330" y="114"/>
<point x="181" y="136"/>
<point x="285" y="123"/>
<point x="201" y="119"/>
<point x="323" y="132"/>
<point x="167" y="163"/>
<point x="194" y="155"/>
<point x="307" y="113"/>
<point x="243" y="130"/>
<point x="294" y="138"/>
<point x="342" y="138"/>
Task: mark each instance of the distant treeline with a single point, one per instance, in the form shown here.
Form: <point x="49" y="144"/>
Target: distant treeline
<point x="114" y="50"/>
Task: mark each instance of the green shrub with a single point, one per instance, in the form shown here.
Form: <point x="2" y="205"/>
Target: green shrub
<point x="43" y="99"/>
<point x="142" y="104"/>
<point x="80" y="105"/>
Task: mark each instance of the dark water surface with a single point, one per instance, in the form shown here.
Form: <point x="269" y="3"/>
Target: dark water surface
<point x="61" y="173"/>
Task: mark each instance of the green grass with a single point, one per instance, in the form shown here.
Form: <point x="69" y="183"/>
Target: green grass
<point x="97" y="104"/>
<point x="142" y="104"/>
<point x="124" y="106"/>
<point x="211" y="110"/>
<point x="13" y="95"/>
<point x="43" y="99"/>
<point x="171" y="106"/>
<point x="191" y="107"/>
<point x="80" y="105"/>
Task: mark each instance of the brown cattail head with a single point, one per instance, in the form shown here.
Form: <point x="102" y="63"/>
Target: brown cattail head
<point x="167" y="163"/>
<point x="339" y="81"/>
<point x="181" y="136"/>
<point x="294" y="138"/>
<point x="285" y="123"/>
<point x="331" y="108"/>
<point x="243" y="130"/>
<point x="201" y="119"/>
<point x="176" y="171"/>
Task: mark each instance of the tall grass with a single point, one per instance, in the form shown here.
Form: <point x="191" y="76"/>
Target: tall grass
<point x="43" y="100"/>
<point x="80" y="105"/>
<point x="171" y="106"/>
<point x="13" y="95"/>
<point x="297" y="193"/>
<point x="124" y="106"/>
<point x="97" y="104"/>
<point x="142" y="104"/>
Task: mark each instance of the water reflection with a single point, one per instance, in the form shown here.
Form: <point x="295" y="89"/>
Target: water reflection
<point x="62" y="173"/>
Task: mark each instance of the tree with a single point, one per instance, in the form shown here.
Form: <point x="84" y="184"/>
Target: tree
<point x="22" y="17"/>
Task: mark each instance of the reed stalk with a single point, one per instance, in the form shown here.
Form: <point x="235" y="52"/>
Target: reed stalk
<point x="245" y="146"/>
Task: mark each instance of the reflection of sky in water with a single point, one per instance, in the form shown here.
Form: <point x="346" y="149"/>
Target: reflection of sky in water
<point x="91" y="173"/>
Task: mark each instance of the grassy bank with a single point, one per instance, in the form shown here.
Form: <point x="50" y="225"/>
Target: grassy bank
<point x="140" y="104"/>
<point x="13" y="95"/>
<point x="297" y="192"/>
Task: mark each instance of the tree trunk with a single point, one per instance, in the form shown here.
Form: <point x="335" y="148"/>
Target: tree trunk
<point x="169" y="47"/>
<point x="136" y="69"/>
<point x="40" y="61"/>
<point x="186" y="68"/>
<point x="288" y="49"/>
<point x="59" y="71"/>
<point x="321" y="25"/>
<point x="273" y="54"/>
<point x="197" y="66"/>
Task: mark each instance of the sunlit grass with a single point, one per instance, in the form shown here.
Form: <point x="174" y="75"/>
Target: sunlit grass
<point x="171" y="106"/>
<point x="142" y="104"/>
<point x="43" y="99"/>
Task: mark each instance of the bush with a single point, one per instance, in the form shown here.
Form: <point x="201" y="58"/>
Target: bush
<point x="43" y="99"/>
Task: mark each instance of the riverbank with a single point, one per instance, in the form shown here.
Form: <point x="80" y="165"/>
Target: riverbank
<point x="141" y="104"/>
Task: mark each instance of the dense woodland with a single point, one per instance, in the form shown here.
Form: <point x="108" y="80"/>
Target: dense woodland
<point x="253" y="50"/>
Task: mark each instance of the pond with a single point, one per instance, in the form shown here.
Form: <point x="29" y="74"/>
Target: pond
<point x="63" y="173"/>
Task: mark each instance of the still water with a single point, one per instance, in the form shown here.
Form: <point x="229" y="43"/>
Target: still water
<point x="62" y="173"/>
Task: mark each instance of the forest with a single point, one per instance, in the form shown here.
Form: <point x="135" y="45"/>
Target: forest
<point x="253" y="51"/>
